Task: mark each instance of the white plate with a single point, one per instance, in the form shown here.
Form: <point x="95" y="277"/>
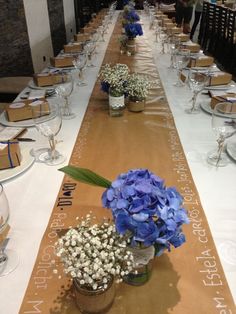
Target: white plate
<point x="231" y="150"/>
<point x="27" y="161"/>
<point x="23" y="124"/>
<point x="69" y="68"/>
<point x="205" y="105"/>
<point x="220" y="87"/>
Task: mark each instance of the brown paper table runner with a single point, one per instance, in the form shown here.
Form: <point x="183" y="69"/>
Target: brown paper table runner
<point x="189" y="279"/>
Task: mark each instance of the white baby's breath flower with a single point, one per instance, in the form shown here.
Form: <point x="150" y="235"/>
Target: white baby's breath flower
<point x="94" y="253"/>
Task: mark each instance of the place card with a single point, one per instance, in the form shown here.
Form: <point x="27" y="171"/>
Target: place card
<point x="47" y="79"/>
<point x="202" y="61"/>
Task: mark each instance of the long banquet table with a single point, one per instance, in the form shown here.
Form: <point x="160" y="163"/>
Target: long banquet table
<point x="186" y="280"/>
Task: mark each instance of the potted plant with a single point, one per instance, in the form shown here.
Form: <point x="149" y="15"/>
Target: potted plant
<point x="136" y="88"/>
<point x="113" y="79"/>
<point x="95" y="256"/>
<point x="143" y="209"/>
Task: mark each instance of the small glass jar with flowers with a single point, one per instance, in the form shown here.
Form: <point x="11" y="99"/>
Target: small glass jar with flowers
<point x="113" y="80"/>
<point x="136" y="88"/>
<point x="145" y="210"/>
<point x="96" y="257"/>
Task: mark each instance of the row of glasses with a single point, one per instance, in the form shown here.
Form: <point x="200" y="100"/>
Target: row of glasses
<point x="48" y="122"/>
<point x="224" y="114"/>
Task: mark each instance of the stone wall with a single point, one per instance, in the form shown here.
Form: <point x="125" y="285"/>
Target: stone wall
<point x="57" y="24"/>
<point x="15" y="54"/>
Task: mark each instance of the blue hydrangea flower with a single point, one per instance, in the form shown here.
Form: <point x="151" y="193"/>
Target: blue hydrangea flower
<point x="145" y="208"/>
<point x="133" y="29"/>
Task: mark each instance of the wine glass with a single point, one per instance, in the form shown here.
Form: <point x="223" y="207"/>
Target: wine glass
<point x="89" y="48"/>
<point x="224" y="126"/>
<point x="9" y="259"/>
<point x="48" y="122"/>
<point x="182" y="60"/>
<point x="79" y="63"/>
<point x="197" y="81"/>
<point x="174" y="44"/>
<point x="163" y="39"/>
<point x="64" y="90"/>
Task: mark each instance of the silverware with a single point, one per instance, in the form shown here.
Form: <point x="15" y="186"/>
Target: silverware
<point x="25" y="139"/>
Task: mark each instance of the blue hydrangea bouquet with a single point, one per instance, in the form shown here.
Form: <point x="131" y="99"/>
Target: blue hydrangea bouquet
<point x="143" y="208"/>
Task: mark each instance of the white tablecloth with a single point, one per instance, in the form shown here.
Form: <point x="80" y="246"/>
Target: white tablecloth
<point x="32" y="194"/>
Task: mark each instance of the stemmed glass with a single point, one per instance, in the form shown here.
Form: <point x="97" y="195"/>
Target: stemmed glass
<point x="224" y="126"/>
<point x="9" y="259"/>
<point x="163" y="39"/>
<point x="174" y="44"/>
<point x="102" y="31"/>
<point x="197" y="81"/>
<point x="79" y="63"/>
<point x="157" y="28"/>
<point x="89" y="48"/>
<point x="182" y="60"/>
<point x="48" y="122"/>
<point x="64" y="90"/>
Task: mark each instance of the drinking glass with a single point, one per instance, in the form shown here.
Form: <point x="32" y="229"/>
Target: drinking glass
<point x="197" y="81"/>
<point x="79" y="63"/>
<point x="48" y="122"/>
<point x="9" y="259"/>
<point x="163" y="39"/>
<point x="224" y="126"/>
<point x="182" y="60"/>
<point x="157" y="29"/>
<point x="174" y="44"/>
<point x="64" y="90"/>
<point x="89" y="48"/>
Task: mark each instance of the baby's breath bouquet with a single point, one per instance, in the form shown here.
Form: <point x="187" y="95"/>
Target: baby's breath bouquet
<point x="113" y="78"/>
<point x="137" y="86"/>
<point x="94" y="254"/>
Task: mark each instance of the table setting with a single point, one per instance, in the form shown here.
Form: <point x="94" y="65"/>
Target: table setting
<point x="153" y="150"/>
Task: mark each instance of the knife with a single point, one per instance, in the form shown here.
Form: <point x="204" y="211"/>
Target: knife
<point x="25" y="139"/>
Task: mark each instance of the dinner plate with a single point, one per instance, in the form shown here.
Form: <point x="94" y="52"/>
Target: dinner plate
<point x="231" y="150"/>
<point x="205" y="105"/>
<point x="23" y="124"/>
<point x="220" y="87"/>
<point x="26" y="162"/>
<point x="69" y="68"/>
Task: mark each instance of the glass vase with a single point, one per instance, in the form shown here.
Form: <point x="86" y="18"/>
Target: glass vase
<point x="135" y="104"/>
<point x="143" y="258"/>
<point x="116" y="104"/>
<point x="94" y="301"/>
<point x="131" y="47"/>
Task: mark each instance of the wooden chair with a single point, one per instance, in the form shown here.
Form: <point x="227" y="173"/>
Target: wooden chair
<point x="207" y="26"/>
<point x="230" y="43"/>
<point x="202" y="29"/>
<point x="221" y="18"/>
<point x="10" y="87"/>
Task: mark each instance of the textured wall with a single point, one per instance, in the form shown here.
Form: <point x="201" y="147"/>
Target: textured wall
<point x="15" y="55"/>
<point x="57" y="24"/>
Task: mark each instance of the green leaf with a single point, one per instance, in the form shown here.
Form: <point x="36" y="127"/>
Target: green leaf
<point x="86" y="176"/>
